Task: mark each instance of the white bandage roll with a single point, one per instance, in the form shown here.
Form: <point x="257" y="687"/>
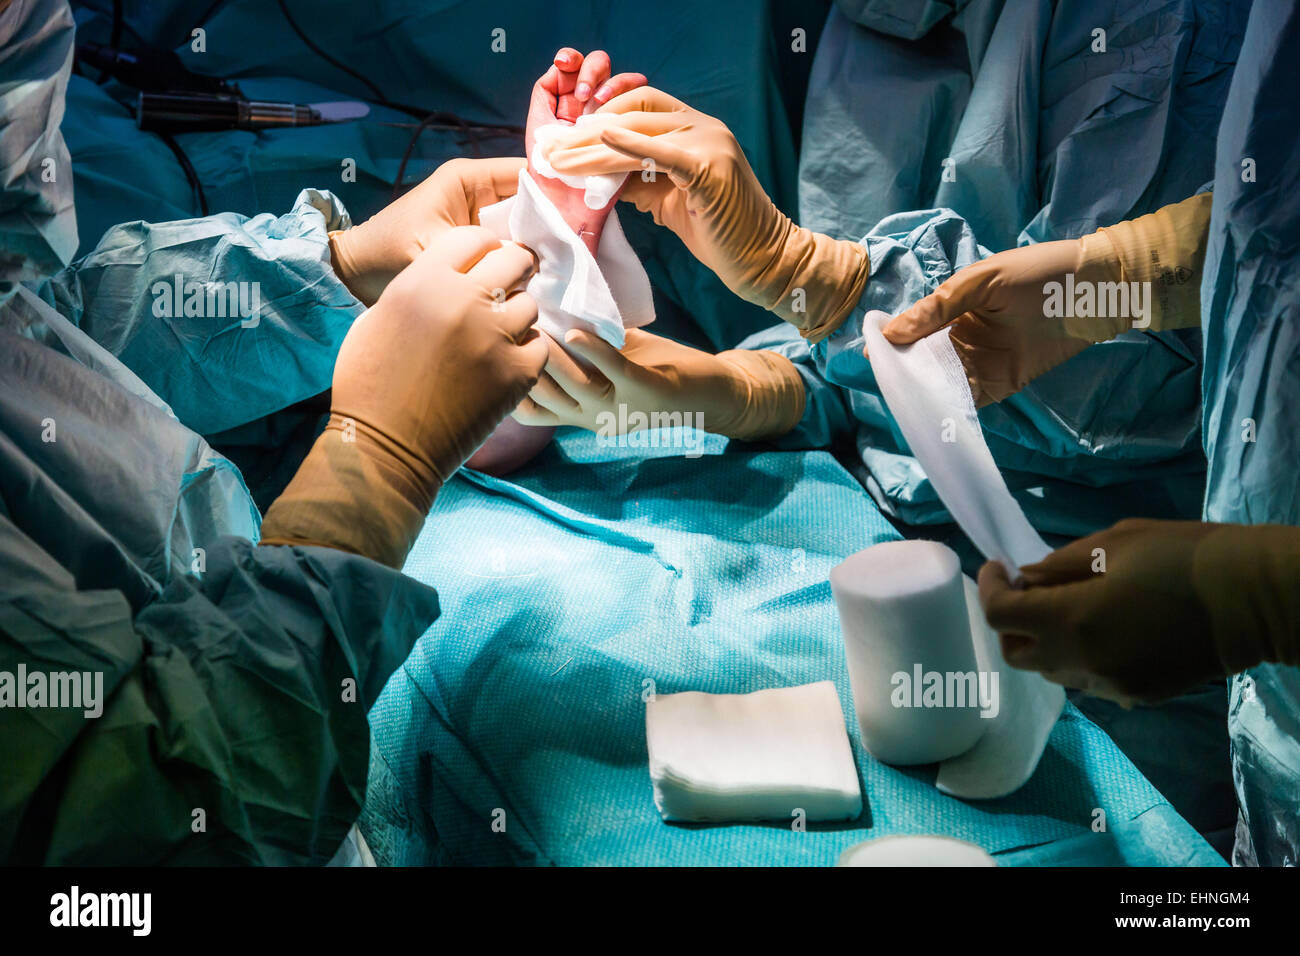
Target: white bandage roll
<point x="914" y="850"/>
<point x="902" y="609"/>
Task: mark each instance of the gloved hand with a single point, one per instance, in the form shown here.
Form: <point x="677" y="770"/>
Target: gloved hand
<point x="574" y="85"/>
<point x="702" y="188"/>
<point x="368" y="256"/>
<point x="1178" y="603"/>
<point x="420" y="381"/>
<point x="1001" y="327"/>
<point x="741" y="394"/>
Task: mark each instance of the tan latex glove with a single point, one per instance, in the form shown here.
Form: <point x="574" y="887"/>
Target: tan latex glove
<point x="1179" y="603"/>
<point x="998" y="307"/>
<point x="691" y="174"/>
<point x="421" y="379"/>
<point x="368" y="256"/>
<point x="741" y="394"/>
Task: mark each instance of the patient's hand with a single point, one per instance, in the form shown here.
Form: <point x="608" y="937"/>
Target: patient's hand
<point x="575" y="85"/>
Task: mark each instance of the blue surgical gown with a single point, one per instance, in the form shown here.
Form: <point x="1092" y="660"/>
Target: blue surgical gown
<point x="1007" y="125"/>
<point x="236" y="679"/>
<point x="1250" y="312"/>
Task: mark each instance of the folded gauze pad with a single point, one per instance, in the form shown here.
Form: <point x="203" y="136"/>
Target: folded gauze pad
<point x="604" y="294"/>
<point x="760" y="756"/>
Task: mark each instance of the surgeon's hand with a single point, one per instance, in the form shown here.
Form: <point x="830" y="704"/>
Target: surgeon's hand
<point x="996" y="309"/>
<point x="1148" y="609"/>
<point x="368" y="256"/>
<point x="572" y="86"/>
<point x="421" y="379"/>
<point x="739" y="393"/>
<point x="691" y="174"/>
<point x="1007" y="312"/>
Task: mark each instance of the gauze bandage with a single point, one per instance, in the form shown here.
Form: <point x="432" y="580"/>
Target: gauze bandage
<point x="603" y="294"/>
<point x="597" y="190"/>
<point x="761" y="756"/>
<point x="929" y="682"/>
<point x="927" y="391"/>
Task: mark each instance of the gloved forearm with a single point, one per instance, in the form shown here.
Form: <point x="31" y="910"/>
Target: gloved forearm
<point x="1164" y="250"/>
<point x="772" y="390"/>
<point x="1248" y="579"/>
<point x="814" y="282"/>
<point x="356" y="491"/>
<point x="421" y="380"/>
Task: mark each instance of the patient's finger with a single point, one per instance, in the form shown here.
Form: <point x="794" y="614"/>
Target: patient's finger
<point x="568" y="59"/>
<point x="595" y="71"/>
<point x="567" y="106"/>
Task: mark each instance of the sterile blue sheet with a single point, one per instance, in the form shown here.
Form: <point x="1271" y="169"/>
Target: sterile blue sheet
<point x="515" y="732"/>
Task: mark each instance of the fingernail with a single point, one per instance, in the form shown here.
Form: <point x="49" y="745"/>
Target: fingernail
<point x="583" y="92"/>
<point x="604" y="93"/>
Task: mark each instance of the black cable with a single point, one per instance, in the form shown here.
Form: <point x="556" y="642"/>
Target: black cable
<point x="196" y="186"/>
<point x="429" y="119"/>
<point x="338" y="64"/>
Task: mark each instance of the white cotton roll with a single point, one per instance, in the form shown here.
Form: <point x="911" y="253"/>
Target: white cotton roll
<point x="918" y="850"/>
<point x="903" y="616"/>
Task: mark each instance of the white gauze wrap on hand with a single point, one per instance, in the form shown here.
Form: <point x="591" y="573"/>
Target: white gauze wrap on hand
<point x="603" y="294"/>
<point x="597" y="190"/>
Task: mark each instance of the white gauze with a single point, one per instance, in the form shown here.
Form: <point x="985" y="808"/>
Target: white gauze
<point x="925" y="386"/>
<point x="759" y="756"/>
<point x="597" y="190"/>
<point x="604" y="294"/>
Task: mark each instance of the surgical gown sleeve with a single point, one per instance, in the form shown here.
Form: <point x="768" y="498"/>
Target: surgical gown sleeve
<point x="235" y="679"/>
<point x="227" y="318"/>
<point x="233" y="725"/>
<point x="38" y="228"/>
